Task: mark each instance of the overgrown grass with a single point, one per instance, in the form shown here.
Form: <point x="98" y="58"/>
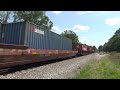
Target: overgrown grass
<point x="106" y="68"/>
<point x="114" y="57"/>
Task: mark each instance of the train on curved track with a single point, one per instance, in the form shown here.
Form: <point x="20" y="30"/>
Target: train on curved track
<point x="24" y="43"/>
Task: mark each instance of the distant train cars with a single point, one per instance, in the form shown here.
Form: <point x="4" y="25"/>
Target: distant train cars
<point x="82" y="49"/>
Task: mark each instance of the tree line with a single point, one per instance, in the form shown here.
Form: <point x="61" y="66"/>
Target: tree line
<point x="113" y="43"/>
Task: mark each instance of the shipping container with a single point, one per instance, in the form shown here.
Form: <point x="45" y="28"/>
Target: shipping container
<point x="33" y="36"/>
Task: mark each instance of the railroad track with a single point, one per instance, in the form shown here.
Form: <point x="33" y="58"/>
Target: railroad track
<point x="4" y="71"/>
<point x="13" y="69"/>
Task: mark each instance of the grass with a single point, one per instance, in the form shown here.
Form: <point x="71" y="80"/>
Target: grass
<point x="115" y="57"/>
<point x="106" y="68"/>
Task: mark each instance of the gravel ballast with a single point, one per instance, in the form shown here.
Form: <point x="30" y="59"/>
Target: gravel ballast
<point x="58" y="70"/>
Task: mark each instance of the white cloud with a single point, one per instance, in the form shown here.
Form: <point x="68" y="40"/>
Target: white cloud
<point x="75" y="28"/>
<point x="56" y="30"/>
<point x="84" y="12"/>
<point x="57" y="12"/>
<point x="113" y="21"/>
<point x="78" y="28"/>
<point x="103" y="12"/>
<point x="66" y="29"/>
<point x="89" y="12"/>
<point x="87" y="41"/>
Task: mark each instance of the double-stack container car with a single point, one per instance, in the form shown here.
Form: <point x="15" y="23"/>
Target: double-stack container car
<point x="26" y="42"/>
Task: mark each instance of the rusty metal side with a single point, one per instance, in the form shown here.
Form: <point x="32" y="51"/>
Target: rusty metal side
<point x="12" y="57"/>
<point x="30" y="59"/>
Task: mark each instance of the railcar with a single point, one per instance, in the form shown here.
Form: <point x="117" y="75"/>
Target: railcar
<point x="82" y="49"/>
<point x="24" y="43"/>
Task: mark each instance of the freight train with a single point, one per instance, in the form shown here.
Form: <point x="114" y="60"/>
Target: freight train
<point x="25" y="42"/>
<point x="83" y="49"/>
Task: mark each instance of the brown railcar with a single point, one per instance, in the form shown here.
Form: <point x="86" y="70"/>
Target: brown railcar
<point x="11" y="57"/>
<point x="82" y="49"/>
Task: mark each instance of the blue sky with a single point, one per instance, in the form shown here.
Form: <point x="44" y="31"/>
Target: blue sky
<point x="92" y="27"/>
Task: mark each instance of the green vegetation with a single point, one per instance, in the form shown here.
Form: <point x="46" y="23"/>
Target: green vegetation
<point x="100" y="48"/>
<point x="71" y="35"/>
<point x="113" y="44"/>
<point x="106" y="68"/>
<point x="114" y="57"/>
<point x="37" y="17"/>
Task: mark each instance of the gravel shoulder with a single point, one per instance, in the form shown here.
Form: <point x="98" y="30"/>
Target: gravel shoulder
<point x="59" y="70"/>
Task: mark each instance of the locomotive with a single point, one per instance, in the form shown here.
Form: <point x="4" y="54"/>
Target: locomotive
<point x="83" y="49"/>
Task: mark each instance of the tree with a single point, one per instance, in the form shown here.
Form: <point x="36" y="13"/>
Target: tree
<point x="4" y="16"/>
<point x="94" y="48"/>
<point x="117" y="32"/>
<point x="71" y="35"/>
<point x="100" y="48"/>
<point x="37" y="17"/>
<point x="113" y="43"/>
<point x="105" y="47"/>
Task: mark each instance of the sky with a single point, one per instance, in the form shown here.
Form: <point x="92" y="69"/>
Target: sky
<point x="92" y="27"/>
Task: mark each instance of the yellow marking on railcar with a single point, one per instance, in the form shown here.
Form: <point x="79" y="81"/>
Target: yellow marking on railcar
<point x="35" y="53"/>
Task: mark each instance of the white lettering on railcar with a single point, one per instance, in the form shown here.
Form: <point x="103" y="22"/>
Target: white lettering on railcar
<point x="39" y="31"/>
<point x="85" y="49"/>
